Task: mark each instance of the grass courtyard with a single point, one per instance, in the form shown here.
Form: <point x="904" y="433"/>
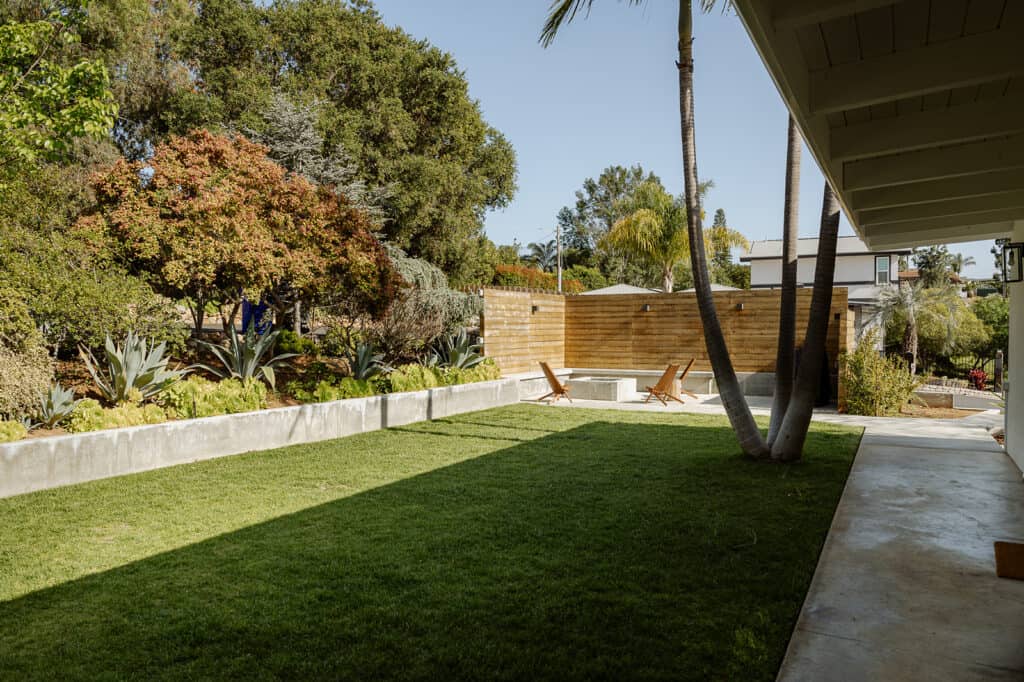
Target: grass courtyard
<point x="517" y="543"/>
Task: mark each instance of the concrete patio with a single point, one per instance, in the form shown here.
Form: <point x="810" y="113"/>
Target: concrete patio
<point x="905" y="587"/>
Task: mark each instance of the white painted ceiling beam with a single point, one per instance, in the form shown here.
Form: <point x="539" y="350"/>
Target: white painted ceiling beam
<point x="940" y="209"/>
<point x="951" y="189"/>
<point x="881" y="239"/>
<point x="965" y="222"/>
<point x="934" y="164"/>
<point x="910" y="132"/>
<point x="791" y="14"/>
<point x="933" y="68"/>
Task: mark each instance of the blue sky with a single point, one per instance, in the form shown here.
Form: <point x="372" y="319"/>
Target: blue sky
<point x="605" y="93"/>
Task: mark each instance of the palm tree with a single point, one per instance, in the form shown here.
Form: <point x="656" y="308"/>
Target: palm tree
<point x="751" y="440"/>
<point x="911" y="301"/>
<point x="785" y="355"/>
<point x="959" y="261"/>
<point x="544" y="255"/>
<point x="789" y="442"/>
<point x="654" y="230"/>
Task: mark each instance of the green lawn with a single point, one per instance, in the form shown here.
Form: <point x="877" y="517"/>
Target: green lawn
<point x="519" y="543"/>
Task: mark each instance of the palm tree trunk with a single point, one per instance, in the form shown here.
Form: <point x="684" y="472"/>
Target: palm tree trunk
<point x="784" y="360"/>
<point x="667" y="279"/>
<point x="751" y="440"/>
<point x="910" y="339"/>
<point x="789" y="443"/>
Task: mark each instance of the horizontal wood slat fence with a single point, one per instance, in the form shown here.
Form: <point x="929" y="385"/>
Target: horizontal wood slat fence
<point x="643" y="331"/>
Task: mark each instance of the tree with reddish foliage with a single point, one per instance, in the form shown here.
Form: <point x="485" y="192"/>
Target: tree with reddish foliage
<point x="211" y="218"/>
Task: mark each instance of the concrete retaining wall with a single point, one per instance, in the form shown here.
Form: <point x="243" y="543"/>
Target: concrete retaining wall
<point x="38" y="464"/>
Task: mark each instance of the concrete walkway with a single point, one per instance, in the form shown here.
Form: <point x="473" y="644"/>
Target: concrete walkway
<point x="905" y="587"/>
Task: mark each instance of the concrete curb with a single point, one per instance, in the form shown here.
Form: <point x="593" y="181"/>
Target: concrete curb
<point x="38" y="464"/>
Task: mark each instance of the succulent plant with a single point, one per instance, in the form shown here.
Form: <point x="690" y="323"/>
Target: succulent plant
<point x="136" y="371"/>
<point x="246" y="356"/>
<point x="455" y="351"/>
<point x="55" y="406"/>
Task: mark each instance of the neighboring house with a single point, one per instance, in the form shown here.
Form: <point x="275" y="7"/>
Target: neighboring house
<point x="863" y="271"/>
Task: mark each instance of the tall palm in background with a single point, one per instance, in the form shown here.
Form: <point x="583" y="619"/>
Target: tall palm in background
<point x="654" y="230"/>
<point x="959" y="261"/>
<point x="542" y="254"/>
<point x="789" y="442"/>
<point x="910" y="302"/>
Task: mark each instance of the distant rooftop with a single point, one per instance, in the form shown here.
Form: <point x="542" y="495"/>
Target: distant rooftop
<point x="808" y="248"/>
<point x="620" y="289"/>
<point x="714" y="287"/>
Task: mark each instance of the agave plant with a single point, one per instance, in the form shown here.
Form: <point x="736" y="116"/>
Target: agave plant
<point x="246" y="357"/>
<point x="55" y="406"/>
<point x="365" y="363"/>
<point x="455" y="351"/>
<point x="135" y="372"/>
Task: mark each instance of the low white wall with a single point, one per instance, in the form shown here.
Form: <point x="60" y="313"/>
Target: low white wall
<point x="38" y="464"/>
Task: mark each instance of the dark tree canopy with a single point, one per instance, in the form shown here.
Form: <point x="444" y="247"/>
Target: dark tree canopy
<point x="398" y="106"/>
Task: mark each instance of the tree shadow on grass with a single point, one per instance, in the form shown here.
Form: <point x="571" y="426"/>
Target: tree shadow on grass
<point x="606" y="551"/>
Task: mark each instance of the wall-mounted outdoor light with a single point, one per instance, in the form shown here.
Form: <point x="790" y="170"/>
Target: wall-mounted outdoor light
<point x="739" y="306"/>
<point x="1013" y="269"/>
<point x="534" y="309"/>
<point x="646" y="307"/>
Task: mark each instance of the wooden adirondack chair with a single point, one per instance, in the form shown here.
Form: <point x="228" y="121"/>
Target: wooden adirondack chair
<point x="557" y="389"/>
<point x="664" y="389"/>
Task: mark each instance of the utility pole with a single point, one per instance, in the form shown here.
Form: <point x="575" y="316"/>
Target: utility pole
<point x="558" y="253"/>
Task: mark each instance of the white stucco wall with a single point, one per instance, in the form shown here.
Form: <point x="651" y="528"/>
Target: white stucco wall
<point x="848" y="269"/>
<point x="1015" y="399"/>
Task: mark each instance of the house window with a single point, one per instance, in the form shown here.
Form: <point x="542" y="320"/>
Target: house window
<point x="881" y="270"/>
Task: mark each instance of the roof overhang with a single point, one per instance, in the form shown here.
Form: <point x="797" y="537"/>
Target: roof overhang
<point x="913" y="109"/>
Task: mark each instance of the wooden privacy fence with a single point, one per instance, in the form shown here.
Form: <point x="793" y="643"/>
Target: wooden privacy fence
<point x="643" y="331"/>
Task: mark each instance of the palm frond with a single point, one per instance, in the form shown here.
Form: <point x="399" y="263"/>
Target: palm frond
<point x="563" y="12"/>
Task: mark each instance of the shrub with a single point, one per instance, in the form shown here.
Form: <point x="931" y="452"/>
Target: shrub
<point x="876" y="385"/>
<point x="977" y="377"/>
<point x="590" y="278"/>
<point x="17" y="329"/>
<point x="199" y="397"/>
<point x="12" y="431"/>
<point x="290" y="342"/>
<point x="532" y="278"/>
<point x="136" y="371"/>
<point x="326" y="391"/>
<point x="89" y="415"/>
<point x="24" y="376"/>
<point x="415" y="378"/>
<point x="485" y="371"/>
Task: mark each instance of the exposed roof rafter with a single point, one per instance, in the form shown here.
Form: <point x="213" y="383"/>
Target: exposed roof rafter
<point x="951" y="189"/>
<point x="933" y="68"/>
<point x="934" y="164"/>
<point x="941" y="209"/>
<point x="929" y="128"/>
<point x="790" y="14"/>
